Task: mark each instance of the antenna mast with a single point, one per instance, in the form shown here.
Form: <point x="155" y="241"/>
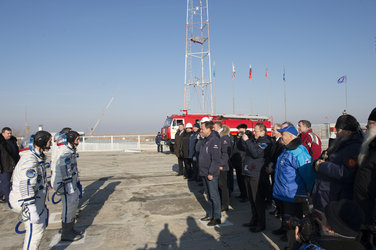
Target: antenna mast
<point x="197" y="53"/>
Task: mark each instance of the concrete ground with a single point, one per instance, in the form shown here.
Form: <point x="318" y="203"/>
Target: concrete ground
<point x="135" y="201"/>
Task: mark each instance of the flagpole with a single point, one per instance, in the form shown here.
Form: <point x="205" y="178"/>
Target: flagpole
<point x="214" y="88"/>
<point x="346" y="92"/>
<point x="233" y="96"/>
<point x="233" y="88"/>
<point x="268" y="87"/>
<point x="284" y="90"/>
<point x="268" y="96"/>
<point x="250" y="88"/>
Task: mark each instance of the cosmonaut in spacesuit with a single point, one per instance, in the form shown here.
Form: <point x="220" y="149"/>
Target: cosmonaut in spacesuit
<point x="65" y="182"/>
<point x="29" y="188"/>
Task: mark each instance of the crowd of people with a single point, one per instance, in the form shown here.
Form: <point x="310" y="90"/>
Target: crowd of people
<point x="25" y="165"/>
<point x="333" y="188"/>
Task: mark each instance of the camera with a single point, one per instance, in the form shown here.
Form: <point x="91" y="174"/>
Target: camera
<point x="308" y="227"/>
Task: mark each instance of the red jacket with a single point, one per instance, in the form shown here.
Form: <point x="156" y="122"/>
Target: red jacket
<point x="312" y="142"/>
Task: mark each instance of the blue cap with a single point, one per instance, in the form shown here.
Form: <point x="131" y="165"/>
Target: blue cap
<point x="291" y="129"/>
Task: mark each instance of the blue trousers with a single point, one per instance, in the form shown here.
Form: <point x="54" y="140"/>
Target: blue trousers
<point x="213" y="197"/>
<point x="5" y="185"/>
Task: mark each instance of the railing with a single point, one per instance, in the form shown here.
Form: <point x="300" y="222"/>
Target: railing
<point x="117" y="143"/>
<point x="129" y="143"/>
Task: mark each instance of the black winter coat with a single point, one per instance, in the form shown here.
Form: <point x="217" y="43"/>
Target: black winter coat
<point x="237" y="152"/>
<point x="277" y="148"/>
<point x="365" y="179"/>
<point x="185" y="144"/>
<point x="256" y="153"/>
<point x="9" y="155"/>
<point x="178" y="142"/>
<point x="225" y="149"/>
<point x="335" y="177"/>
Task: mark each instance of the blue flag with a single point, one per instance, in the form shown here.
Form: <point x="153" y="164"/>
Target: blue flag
<point x="214" y="69"/>
<point x="342" y="79"/>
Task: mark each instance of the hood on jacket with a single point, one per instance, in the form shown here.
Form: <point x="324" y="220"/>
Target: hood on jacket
<point x="225" y="131"/>
<point x="294" y="143"/>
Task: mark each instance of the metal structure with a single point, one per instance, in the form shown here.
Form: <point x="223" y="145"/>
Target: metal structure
<point x="102" y="114"/>
<point x="198" y="73"/>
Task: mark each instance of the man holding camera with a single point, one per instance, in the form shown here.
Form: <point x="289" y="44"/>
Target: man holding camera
<point x="339" y="226"/>
<point x="236" y="161"/>
<point x="257" y="148"/>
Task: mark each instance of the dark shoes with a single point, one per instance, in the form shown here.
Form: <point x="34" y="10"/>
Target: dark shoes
<point x="68" y="233"/>
<point x="206" y="218"/>
<point x="224" y="209"/>
<point x="214" y="222"/>
<point x="257" y="229"/>
<point x="279" y="231"/>
<point x="252" y="223"/>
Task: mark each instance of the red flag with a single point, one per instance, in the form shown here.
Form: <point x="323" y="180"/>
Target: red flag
<point x="233" y="70"/>
<point x="266" y="73"/>
<point x="250" y="72"/>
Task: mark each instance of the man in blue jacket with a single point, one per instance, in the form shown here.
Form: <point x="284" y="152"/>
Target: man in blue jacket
<point x="293" y="174"/>
<point x="257" y="149"/>
<point x="192" y="150"/>
<point x="224" y="134"/>
<point x="158" y="140"/>
<point x="209" y="159"/>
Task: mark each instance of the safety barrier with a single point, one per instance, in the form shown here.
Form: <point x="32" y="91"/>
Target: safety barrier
<point x="117" y="143"/>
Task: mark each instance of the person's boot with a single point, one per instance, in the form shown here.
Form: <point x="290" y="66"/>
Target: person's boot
<point x="68" y="234"/>
<point x="74" y="231"/>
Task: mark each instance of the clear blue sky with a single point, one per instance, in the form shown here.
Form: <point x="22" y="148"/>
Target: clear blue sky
<point x="63" y="60"/>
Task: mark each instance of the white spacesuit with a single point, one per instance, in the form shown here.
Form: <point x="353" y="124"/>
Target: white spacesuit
<point x="64" y="179"/>
<point x="29" y="188"/>
<point x="57" y="142"/>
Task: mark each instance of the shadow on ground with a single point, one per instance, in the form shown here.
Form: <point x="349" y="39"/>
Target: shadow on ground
<point x="194" y="237"/>
<point x="91" y="203"/>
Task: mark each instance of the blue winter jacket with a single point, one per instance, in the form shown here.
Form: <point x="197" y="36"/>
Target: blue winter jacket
<point x="210" y="155"/>
<point x="192" y="144"/>
<point x="293" y="173"/>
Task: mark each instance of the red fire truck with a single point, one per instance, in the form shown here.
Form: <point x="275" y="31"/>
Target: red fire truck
<point x="172" y="123"/>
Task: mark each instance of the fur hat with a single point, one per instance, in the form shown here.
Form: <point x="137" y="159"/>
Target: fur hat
<point x="347" y="122"/>
<point x="243" y="125"/>
<point x="345" y="217"/>
<point x="372" y="116"/>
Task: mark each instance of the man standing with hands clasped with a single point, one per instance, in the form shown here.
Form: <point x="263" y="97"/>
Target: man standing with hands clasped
<point x="209" y="159"/>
